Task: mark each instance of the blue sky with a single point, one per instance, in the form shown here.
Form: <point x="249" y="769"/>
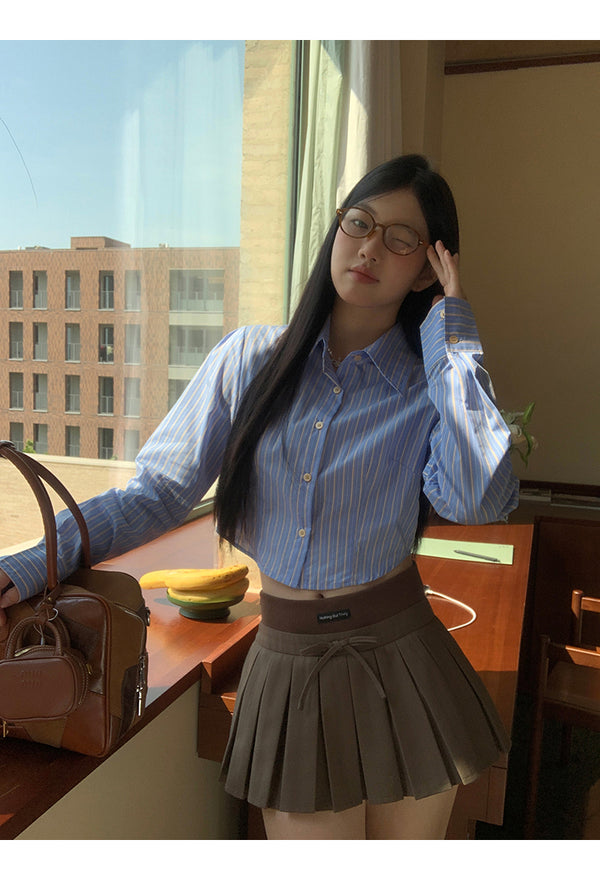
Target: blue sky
<point x="136" y="140"/>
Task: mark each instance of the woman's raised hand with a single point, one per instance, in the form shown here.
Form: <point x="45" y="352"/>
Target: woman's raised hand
<point x="445" y="266"/>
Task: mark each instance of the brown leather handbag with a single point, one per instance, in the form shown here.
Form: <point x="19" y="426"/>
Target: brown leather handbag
<point x="73" y="668"/>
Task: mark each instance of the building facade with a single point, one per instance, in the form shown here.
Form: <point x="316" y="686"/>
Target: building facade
<point x="100" y="339"/>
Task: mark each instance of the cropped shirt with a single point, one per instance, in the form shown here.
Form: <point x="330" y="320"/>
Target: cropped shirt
<point x="336" y="480"/>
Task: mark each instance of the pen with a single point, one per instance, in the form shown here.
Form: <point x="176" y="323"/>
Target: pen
<point x="477" y="556"/>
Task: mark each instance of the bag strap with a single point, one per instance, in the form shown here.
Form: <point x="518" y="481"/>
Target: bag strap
<point x="34" y="473"/>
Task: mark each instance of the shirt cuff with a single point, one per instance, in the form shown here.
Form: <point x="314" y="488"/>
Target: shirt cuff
<point x="449" y="327"/>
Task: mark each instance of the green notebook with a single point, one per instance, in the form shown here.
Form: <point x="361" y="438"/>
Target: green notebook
<point x="467" y="551"/>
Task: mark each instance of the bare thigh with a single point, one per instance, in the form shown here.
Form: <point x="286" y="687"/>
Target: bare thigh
<point x="324" y="825"/>
<point x="409" y="819"/>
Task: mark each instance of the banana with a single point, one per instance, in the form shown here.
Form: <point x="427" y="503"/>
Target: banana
<point x="223" y="594"/>
<point x="154" y="579"/>
<point x="205" y="579"/>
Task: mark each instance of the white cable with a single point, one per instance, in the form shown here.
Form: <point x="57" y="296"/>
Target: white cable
<point x="430" y="592"/>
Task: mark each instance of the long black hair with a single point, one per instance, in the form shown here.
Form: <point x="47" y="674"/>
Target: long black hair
<point x="271" y="391"/>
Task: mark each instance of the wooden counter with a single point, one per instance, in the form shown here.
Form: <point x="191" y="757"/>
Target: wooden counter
<point x="34" y="777"/>
<point x="183" y="652"/>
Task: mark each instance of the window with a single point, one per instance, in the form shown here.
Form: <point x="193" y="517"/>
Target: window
<point x="107" y="290"/>
<point x="132" y="444"/>
<point x="72" y="342"/>
<point x="72" y="440"/>
<point x="72" y="290"/>
<point x="131" y="404"/>
<point x="133" y="344"/>
<point x="15" y="333"/>
<point x="16" y="290"/>
<point x="105" y="443"/>
<point x="16" y="435"/>
<point x="106" y="399"/>
<point x="40" y="438"/>
<point x="72" y="394"/>
<point x="40" y="342"/>
<point x="176" y="389"/>
<point x="106" y="343"/>
<point x="189" y="345"/>
<point x="197" y="290"/>
<point x="133" y="290"/>
<point x="16" y="390"/>
<point x="40" y="391"/>
<point x="158" y="145"/>
<point x="40" y="290"/>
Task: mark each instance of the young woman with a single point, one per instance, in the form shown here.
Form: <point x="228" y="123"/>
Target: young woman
<point x="357" y="714"/>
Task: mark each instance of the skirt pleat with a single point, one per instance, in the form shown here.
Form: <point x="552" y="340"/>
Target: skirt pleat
<point x="310" y="734"/>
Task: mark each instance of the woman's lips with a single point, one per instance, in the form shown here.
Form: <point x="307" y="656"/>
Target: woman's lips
<point x="362" y="274"/>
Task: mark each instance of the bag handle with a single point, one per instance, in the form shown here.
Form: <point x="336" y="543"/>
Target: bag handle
<point x="34" y="472"/>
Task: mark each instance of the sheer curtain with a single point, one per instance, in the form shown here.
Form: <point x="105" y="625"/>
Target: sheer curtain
<point x="349" y="122"/>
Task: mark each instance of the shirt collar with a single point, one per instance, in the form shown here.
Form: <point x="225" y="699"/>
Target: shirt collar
<point x="391" y="354"/>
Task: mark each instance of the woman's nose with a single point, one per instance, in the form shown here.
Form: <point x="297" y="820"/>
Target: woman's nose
<point x="371" y="244"/>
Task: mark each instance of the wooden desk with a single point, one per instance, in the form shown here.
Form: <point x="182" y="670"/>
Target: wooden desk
<point x="497" y="593"/>
<point x="492" y="643"/>
<point x="34" y="777"/>
<point x="183" y="652"/>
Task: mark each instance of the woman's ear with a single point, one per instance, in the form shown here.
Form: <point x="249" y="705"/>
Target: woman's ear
<point x="426" y="278"/>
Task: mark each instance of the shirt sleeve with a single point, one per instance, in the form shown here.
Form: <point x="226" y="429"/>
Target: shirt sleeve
<point x="468" y="476"/>
<point x="174" y="470"/>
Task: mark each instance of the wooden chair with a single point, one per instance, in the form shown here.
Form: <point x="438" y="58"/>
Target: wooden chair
<point x="568" y="690"/>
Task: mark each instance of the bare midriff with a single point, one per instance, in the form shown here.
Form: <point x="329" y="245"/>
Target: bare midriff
<point x="276" y="588"/>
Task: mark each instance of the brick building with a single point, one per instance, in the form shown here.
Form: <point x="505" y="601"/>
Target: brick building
<point x="100" y="339"/>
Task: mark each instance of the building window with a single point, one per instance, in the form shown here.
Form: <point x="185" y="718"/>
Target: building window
<point x="197" y="290"/>
<point x="72" y="342"/>
<point x="132" y="445"/>
<point x="72" y="440"/>
<point x="132" y="388"/>
<point x="72" y="290"/>
<point x="189" y="345"/>
<point x="176" y="389"/>
<point x="15" y="334"/>
<point x="40" y="438"/>
<point x="133" y="290"/>
<point x="16" y="290"/>
<point x="106" y="344"/>
<point x="40" y="342"/>
<point x="16" y="390"/>
<point x="133" y="344"/>
<point x="107" y="290"/>
<point x="40" y="392"/>
<point x="105" y="443"/>
<point x="106" y="396"/>
<point x="40" y="290"/>
<point x="16" y="435"/>
<point x="72" y="394"/>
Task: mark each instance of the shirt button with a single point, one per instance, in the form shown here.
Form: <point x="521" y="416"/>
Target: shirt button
<point x="307" y="478"/>
<point x="301" y="533"/>
<point x="318" y="425"/>
<point x="453" y="339"/>
<point x="336" y="389"/>
<point x="443" y="313"/>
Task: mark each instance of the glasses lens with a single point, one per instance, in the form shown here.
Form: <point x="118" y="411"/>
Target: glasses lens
<point x="356" y="222"/>
<point x="401" y="239"/>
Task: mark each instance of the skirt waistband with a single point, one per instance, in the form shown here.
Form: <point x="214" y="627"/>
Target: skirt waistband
<point x="341" y="613"/>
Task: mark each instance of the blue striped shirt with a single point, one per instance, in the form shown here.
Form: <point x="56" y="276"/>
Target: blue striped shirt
<point x="337" y="479"/>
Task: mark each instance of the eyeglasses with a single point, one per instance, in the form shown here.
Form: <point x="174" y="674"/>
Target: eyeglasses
<point x="358" y="223"/>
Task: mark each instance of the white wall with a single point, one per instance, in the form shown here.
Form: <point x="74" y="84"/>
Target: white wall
<point x="521" y="150"/>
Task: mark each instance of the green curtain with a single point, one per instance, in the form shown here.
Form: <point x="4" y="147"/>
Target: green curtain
<point x="349" y="121"/>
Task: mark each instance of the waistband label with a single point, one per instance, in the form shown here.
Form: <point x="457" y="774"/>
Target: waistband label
<point x="331" y="616"/>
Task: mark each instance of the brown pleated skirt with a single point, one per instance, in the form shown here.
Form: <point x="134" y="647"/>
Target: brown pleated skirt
<point x="357" y="697"/>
